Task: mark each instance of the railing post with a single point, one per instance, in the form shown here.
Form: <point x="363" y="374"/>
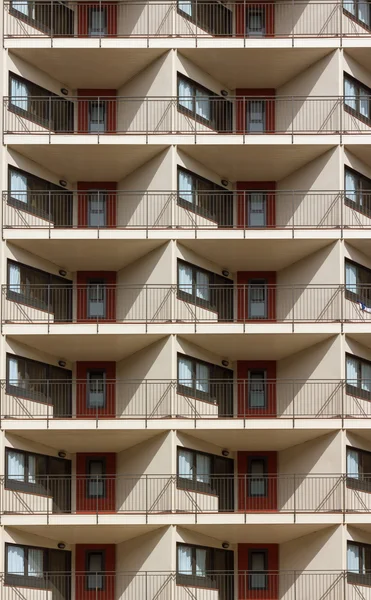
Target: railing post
<point x="146" y="498"/>
<point x="49" y="307"/>
<point x="293" y="212"/>
<point x="51" y="21"/>
<point x="49" y="211"/>
<point x="97" y="497"/>
<point x="98" y="214"/>
<point x="50" y="118"/>
<point x="294" y="480"/>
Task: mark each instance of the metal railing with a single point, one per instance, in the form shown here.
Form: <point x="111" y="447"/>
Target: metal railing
<point x="198" y="20"/>
<point x="163" y="210"/>
<point x="194" y="494"/>
<point x="240" y="399"/>
<point x="184" y="303"/>
<point x="185" y="115"/>
<point x="172" y="585"/>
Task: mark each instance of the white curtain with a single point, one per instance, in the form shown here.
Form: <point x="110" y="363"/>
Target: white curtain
<point x="352" y="464"/>
<point x="202" y="286"/>
<point x="363" y="12"/>
<point x="185" y="464"/>
<point x="18" y="186"/>
<point x="185" y="372"/>
<point x="366" y="376"/>
<point x="16" y="466"/>
<point x="353" y="558"/>
<point x="13" y="371"/>
<point x="31" y="469"/>
<point x="351" y="277"/>
<point x="203" y="468"/>
<point x="350" y="93"/>
<point x="200" y="562"/>
<point x="352" y="371"/>
<point x="185" y="278"/>
<point x="203" y="106"/>
<point x="35" y="562"/>
<point x="364" y="105"/>
<point x="350" y="186"/>
<point x="15" y="560"/>
<point x="23" y="7"/>
<point x="186" y="187"/>
<point x="15" y="278"/>
<point x="185" y="90"/>
<point x="202" y="377"/>
<point x="184" y="560"/>
<point x="19" y="94"/>
<point x="350" y="6"/>
<point x="185" y="6"/>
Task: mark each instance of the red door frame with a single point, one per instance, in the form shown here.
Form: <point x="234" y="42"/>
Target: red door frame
<point x="83" y="18"/>
<point x="241" y="18"/>
<point x="82" y="280"/>
<point x="108" y="592"/>
<point x="111" y="200"/>
<point x="243" y="367"/>
<point x="83" y="108"/>
<point x="266" y="503"/>
<point x="84" y="504"/>
<point x="243" y="278"/>
<point x="82" y="411"/>
<point x="270" y="108"/>
<point x="244" y="593"/>
<point x="242" y="207"/>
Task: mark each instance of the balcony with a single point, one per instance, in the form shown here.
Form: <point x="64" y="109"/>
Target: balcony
<point x="198" y="21"/>
<point x="213" y="401"/>
<point x="169" y="214"/>
<point x="214" y="119"/>
<point x="232" y="497"/>
<point x="280" y="585"/>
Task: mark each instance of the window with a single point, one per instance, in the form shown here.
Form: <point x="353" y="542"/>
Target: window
<point x="195" y="566"/>
<point x="96" y="469"/>
<point x="42" y="290"/>
<point x="37" y="381"/>
<point x="257" y="295"/>
<point x="194" y="470"/>
<point x="97" y="21"/>
<point x="96" y="299"/>
<point x="255" y="21"/>
<point x="39" y="105"/>
<point x="357" y="98"/>
<point x="194" y="284"/>
<point x="258" y="580"/>
<point x="213" y="17"/>
<point x="26" y="472"/>
<point x="358" y="469"/>
<point x="97" y="208"/>
<point x="203" y="105"/>
<point x="257" y="477"/>
<point x="96" y="389"/>
<point x="255" y="116"/>
<point x="39" y="197"/>
<point x="357" y="191"/>
<point x="205" y="198"/>
<point x="257" y="388"/>
<point x="97" y="116"/>
<point x="359" y="10"/>
<point x="359" y="563"/>
<point x="194" y="377"/>
<point x="95" y="566"/>
<point x="358" y="376"/>
<point x="25" y="566"/>
<point x="357" y="283"/>
<point x="257" y="208"/>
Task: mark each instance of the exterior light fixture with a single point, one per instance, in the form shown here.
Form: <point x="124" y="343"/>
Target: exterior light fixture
<point x="64" y="91"/>
<point x="225" y="545"/>
<point x="225" y="273"/>
<point x="62" y="363"/>
<point x="225" y="182"/>
<point x="62" y="454"/>
<point x="225" y="363"/>
<point x="225" y="452"/>
<point x="224" y="92"/>
<point x="63" y="182"/>
<point x="61" y="545"/>
<point x="62" y="272"/>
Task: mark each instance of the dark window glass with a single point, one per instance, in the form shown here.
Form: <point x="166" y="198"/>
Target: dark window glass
<point x="203" y="105"/>
<point x="255" y="21"/>
<point x="97" y="201"/>
<point x="95" y="567"/>
<point x="255" y="116"/>
<point x="257" y="295"/>
<point x="257" y="389"/>
<point x="357" y="283"/>
<point x="97" y="21"/>
<point x="97" y="116"/>
<point x="357" y="98"/>
<point x="359" y="563"/>
<point x="258" y="577"/>
<point x="39" y="197"/>
<point x="96" y="389"/>
<point x="96" y="469"/>
<point x="96" y="299"/>
<point x="358" y="10"/>
<point x="257" y="477"/>
<point x="357" y="191"/>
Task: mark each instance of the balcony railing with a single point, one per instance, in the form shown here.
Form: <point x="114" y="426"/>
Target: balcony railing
<point x="240" y="399"/>
<point x="199" y="19"/>
<point x="163" y="210"/>
<point x="184" y="303"/>
<point x="185" y="115"/>
<point x="170" y="585"/>
<point x="189" y="494"/>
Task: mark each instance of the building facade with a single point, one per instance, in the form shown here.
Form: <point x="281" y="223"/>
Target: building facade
<point x="186" y="300"/>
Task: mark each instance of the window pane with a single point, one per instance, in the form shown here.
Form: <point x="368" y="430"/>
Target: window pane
<point x="185" y="182"/>
<point x="31" y="469"/>
<point x="18" y="186"/>
<point x="185" y="6"/>
<point x="351" y="185"/>
<point x="352" y="371"/>
<point x="16" y="560"/>
<point x="200" y="562"/>
<point x="366" y="376"/>
<point x="350" y="6"/>
<point x="185" y="373"/>
<point x="257" y="478"/>
<point x="97" y="21"/>
<point x="255" y="116"/>
<point x="258" y="582"/>
<point x="185" y="278"/>
<point x="257" y="389"/>
<point x="184" y="560"/>
<point x="185" y="464"/>
<point x="203" y="104"/>
<point x="351" y="277"/>
<point x="203" y="468"/>
<point x="35" y="562"/>
<point x="256" y="205"/>
<point x="19" y="93"/>
<point x="352" y="463"/>
<point x="257" y="299"/>
<point x="96" y="299"/>
<point x="185" y="93"/>
<point x="95" y="565"/>
<point x="97" y="209"/>
<point x="350" y="93"/>
<point x="16" y="466"/>
<point x="203" y="286"/>
<point x="96" y="390"/>
<point x="202" y="378"/>
<point x="364" y="12"/>
<point x="353" y="558"/>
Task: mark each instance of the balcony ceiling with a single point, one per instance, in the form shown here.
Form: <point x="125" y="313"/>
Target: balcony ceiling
<point x="88" y="67"/>
<point x="255" y="162"/>
<point x="89" y="162"/>
<point x="254" y="67"/>
<point x="76" y="255"/>
<point x="75" y="534"/>
<point x="260" y="534"/>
